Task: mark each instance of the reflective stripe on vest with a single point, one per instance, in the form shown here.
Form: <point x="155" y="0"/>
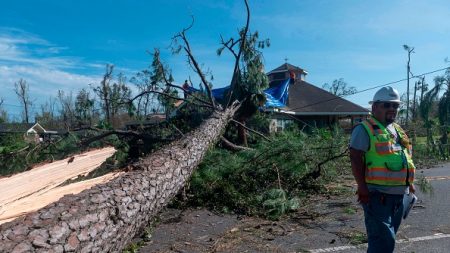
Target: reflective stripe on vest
<point x="387" y="163"/>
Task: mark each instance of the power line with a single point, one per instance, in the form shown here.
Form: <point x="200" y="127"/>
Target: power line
<point x="11" y="105"/>
<point x="372" y="88"/>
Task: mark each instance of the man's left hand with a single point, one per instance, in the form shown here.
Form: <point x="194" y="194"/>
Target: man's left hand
<point x="412" y="188"/>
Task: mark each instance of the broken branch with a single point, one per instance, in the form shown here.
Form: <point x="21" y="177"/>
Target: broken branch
<point x="251" y="130"/>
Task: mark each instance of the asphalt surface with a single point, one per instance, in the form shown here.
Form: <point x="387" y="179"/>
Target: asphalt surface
<point x="427" y="229"/>
<point x="326" y="224"/>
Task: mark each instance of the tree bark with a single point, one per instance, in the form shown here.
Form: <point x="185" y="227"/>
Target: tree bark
<point x="242" y="133"/>
<point x="106" y="217"/>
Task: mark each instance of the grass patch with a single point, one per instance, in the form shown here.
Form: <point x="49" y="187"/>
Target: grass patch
<point x="350" y="210"/>
<point x="357" y="238"/>
<point x="134" y="247"/>
<point x="424" y="184"/>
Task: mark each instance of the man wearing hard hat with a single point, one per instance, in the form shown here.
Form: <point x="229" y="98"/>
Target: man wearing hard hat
<point x="382" y="165"/>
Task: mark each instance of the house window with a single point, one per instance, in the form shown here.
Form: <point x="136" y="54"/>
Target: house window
<point x="282" y="124"/>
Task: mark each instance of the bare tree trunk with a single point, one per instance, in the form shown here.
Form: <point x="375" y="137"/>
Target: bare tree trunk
<point x="414" y="110"/>
<point x="106" y="217"/>
<point x="104" y="92"/>
<point x="22" y="91"/>
<point x="242" y="133"/>
<point x="430" y="141"/>
<point x="443" y="142"/>
<point x="422" y="88"/>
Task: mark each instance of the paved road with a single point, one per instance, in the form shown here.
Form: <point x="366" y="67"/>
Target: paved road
<point x="327" y="224"/>
<point x="427" y="229"/>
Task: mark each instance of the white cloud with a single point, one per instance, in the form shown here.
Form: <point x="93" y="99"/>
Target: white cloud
<point x="40" y="63"/>
<point x="43" y="82"/>
<point x="17" y="48"/>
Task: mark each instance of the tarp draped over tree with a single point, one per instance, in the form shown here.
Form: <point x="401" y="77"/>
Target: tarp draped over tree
<point x="276" y="96"/>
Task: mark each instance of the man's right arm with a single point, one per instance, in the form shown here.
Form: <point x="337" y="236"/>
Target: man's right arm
<point x="358" y="169"/>
<point x="359" y="144"/>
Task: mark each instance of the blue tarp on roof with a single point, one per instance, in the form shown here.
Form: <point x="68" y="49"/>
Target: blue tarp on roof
<point x="276" y="96"/>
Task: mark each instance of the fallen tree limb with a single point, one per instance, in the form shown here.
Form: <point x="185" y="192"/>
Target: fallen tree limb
<point x="317" y="173"/>
<point x="251" y="130"/>
<point x="228" y="144"/>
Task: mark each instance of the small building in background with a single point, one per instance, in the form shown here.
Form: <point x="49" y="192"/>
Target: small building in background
<point x="308" y="105"/>
<point x="32" y="132"/>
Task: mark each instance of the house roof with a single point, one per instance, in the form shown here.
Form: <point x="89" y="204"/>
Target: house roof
<point x="307" y="99"/>
<point x="19" y="127"/>
<point x="286" y="67"/>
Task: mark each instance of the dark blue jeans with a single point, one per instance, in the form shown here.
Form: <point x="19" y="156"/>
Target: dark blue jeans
<point x="383" y="215"/>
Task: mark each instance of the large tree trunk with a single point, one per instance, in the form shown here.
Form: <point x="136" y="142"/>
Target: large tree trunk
<point x="106" y="217"/>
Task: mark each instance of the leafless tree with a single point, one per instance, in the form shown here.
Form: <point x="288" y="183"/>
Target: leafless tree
<point x="103" y="92"/>
<point x="67" y="110"/>
<point x="22" y="90"/>
<point x="3" y="113"/>
<point x="47" y="114"/>
<point x="339" y="88"/>
<point x="113" y="96"/>
<point x="84" y="105"/>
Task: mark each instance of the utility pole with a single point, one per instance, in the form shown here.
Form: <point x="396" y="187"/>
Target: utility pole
<point x="414" y="110"/>
<point x="410" y="50"/>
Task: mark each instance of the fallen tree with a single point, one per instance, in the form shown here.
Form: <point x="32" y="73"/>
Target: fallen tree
<point x="106" y="217"/>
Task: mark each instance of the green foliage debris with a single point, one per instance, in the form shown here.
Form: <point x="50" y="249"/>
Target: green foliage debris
<point x="271" y="179"/>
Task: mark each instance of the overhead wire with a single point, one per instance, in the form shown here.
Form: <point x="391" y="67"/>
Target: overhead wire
<point x="371" y="88"/>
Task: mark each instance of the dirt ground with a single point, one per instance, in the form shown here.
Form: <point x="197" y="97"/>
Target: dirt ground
<point x="322" y="222"/>
<point x="28" y="191"/>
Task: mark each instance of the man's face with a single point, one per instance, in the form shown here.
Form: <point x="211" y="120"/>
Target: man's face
<point x="385" y="112"/>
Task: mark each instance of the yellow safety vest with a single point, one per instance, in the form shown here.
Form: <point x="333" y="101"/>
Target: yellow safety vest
<point x="387" y="163"/>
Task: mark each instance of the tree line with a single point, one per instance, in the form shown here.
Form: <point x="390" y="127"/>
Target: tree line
<point x="107" y="103"/>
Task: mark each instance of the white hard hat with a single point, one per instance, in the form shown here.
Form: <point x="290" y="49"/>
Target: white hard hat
<point x="386" y="94"/>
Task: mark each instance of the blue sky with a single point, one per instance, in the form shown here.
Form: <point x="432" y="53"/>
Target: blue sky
<point x="66" y="44"/>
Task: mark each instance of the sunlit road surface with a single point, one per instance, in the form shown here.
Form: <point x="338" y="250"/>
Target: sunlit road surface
<point x="427" y="228"/>
<point x="28" y="191"/>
